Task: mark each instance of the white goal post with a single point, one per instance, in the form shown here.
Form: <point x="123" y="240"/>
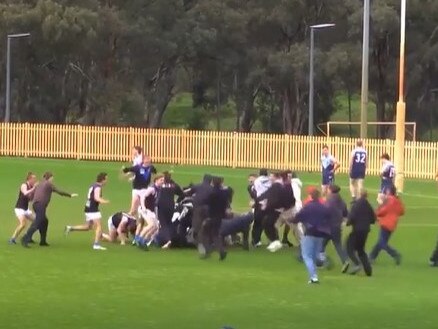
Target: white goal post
<point x="328" y="127"/>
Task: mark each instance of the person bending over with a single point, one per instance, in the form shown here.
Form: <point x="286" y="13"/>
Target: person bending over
<point x="119" y="225"/>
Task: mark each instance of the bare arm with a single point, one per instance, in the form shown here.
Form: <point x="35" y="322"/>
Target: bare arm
<point x="26" y="191"/>
<point x="98" y="196"/>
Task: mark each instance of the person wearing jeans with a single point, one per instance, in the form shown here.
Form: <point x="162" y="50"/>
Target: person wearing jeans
<point x="388" y="216"/>
<point x="315" y="218"/>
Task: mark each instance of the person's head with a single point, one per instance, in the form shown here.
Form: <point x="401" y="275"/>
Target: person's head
<point x="315" y="195"/>
<point x="275" y="177"/>
<point x="363" y="194"/>
<point x="147" y="160"/>
<point x="263" y="172"/>
<point x="207" y="179"/>
<point x="251" y="178"/>
<point x="294" y="175"/>
<point x="167" y="177"/>
<point x="137" y="150"/>
<point x="285" y="176"/>
<point x="48" y="176"/>
<point x="132" y="227"/>
<point x="310" y="189"/>
<point x="334" y="189"/>
<point x="359" y="143"/>
<point x="392" y="190"/>
<point x="159" y="180"/>
<point x="31" y="178"/>
<point x="385" y="157"/>
<point x="325" y="150"/>
<point x="102" y="178"/>
<point x="217" y="182"/>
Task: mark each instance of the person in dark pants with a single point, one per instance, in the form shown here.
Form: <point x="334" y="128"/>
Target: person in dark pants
<point x="433" y="261"/>
<point x="166" y="208"/>
<point x="360" y="218"/>
<point x="273" y="201"/>
<point x="388" y="215"/>
<point x="41" y="200"/>
<point x="201" y="194"/>
<point x="217" y="203"/>
<point x="338" y="210"/>
<point x="261" y="185"/>
<point x="238" y="224"/>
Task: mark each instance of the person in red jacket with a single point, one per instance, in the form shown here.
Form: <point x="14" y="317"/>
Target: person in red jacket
<point x="309" y="191"/>
<point x="388" y="216"/>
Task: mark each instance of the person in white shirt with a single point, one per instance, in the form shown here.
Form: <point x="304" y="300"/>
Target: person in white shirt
<point x="261" y="184"/>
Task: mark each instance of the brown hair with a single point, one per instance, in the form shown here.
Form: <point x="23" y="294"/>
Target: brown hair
<point x="139" y="149"/>
<point x="158" y="177"/>
<point x="29" y="175"/>
<point x="47" y="175"/>
<point x="101" y="177"/>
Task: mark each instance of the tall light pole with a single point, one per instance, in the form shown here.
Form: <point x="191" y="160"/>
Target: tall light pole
<point x="8" y="73"/>
<point x="365" y="70"/>
<point x="401" y="107"/>
<point x="311" y="73"/>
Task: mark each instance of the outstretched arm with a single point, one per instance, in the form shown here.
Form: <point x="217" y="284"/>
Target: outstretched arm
<point x="62" y="193"/>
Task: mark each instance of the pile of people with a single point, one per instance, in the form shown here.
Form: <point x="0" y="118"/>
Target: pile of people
<point x="164" y="214"/>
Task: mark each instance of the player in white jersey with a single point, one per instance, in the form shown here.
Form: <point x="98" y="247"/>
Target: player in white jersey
<point x="358" y="167"/>
<point x="329" y="166"/>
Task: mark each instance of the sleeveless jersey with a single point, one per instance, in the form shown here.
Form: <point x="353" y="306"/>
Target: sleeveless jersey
<point x="150" y="202"/>
<point x="388" y="172"/>
<point x="358" y="167"/>
<point x="328" y="164"/>
<point x="23" y="200"/>
<point x="117" y="219"/>
<point x="142" y="179"/>
<point x="92" y="205"/>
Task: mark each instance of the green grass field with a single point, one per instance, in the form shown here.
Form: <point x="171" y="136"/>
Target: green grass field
<point x="71" y="286"/>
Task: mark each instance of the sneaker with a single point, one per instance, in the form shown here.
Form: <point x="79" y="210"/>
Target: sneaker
<point x="98" y="247"/>
<point x="12" y="241"/>
<point x="44" y="244"/>
<point x="167" y="245"/>
<point x="287" y="243"/>
<point x="356" y="269"/>
<point x="222" y="255"/>
<point x="433" y="263"/>
<point x="67" y="230"/>
<point x="24" y="243"/>
<point x="314" y="281"/>
<point x="345" y="267"/>
<point x="258" y="244"/>
<point x="275" y="246"/>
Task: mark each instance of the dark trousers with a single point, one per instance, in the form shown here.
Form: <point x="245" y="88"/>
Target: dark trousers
<point x="41" y="223"/>
<point x="434" y="257"/>
<point x="165" y="214"/>
<point x="200" y="213"/>
<point x="257" y="226"/>
<point x="211" y="235"/>
<point x="382" y="244"/>
<point x="269" y="221"/>
<point x="356" y="248"/>
<point x="336" y="238"/>
<point x="240" y="224"/>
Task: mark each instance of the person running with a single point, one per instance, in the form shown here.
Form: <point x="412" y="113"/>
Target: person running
<point x="142" y="178"/>
<point x="329" y="166"/>
<point x="338" y="210"/>
<point x="22" y="211"/>
<point x="148" y="224"/>
<point x="119" y="226"/>
<point x="387" y="175"/>
<point x="41" y="200"/>
<point x="388" y="215"/>
<point x="316" y="220"/>
<point x="358" y="167"/>
<point x="93" y="217"/>
<point x="360" y="218"/>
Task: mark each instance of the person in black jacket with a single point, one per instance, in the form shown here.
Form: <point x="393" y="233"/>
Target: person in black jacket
<point x="166" y="207"/>
<point x="288" y="213"/>
<point x="360" y="218"/>
<point x="201" y="195"/>
<point x="217" y="203"/>
<point x="272" y="202"/>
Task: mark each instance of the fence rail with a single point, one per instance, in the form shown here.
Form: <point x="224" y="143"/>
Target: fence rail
<point x="207" y="148"/>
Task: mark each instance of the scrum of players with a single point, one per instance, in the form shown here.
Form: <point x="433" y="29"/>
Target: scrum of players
<point x="275" y="202"/>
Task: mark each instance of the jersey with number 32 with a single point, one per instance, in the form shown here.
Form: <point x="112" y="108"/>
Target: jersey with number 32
<point x="359" y="163"/>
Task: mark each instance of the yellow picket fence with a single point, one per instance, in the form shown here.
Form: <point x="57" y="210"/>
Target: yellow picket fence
<point x="203" y="148"/>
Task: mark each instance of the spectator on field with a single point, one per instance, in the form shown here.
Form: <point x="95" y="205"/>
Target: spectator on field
<point x="388" y="215"/>
<point x="261" y="185"/>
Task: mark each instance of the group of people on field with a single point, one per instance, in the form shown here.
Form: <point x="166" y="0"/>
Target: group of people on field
<point x="276" y="202"/>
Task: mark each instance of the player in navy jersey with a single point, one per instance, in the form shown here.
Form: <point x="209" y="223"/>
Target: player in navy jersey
<point x="93" y="216"/>
<point x="358" y="167"/>
<point x="148" y="223"/>
<point x="142" y="178"/>
<point x="387" y="175"/>
<point x="329" y="166"/>
<point x="119" y="226"/>
<point x="22" y="211"/>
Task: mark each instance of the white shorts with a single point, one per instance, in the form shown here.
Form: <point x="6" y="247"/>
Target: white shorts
<point x="139" y="193"/>
<point x="110" y="224"/>
<point x="92" y="216"/>
<point x="23" y="213"/>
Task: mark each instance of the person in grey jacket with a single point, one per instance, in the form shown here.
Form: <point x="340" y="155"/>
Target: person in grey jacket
<point x="338" y="213"/>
